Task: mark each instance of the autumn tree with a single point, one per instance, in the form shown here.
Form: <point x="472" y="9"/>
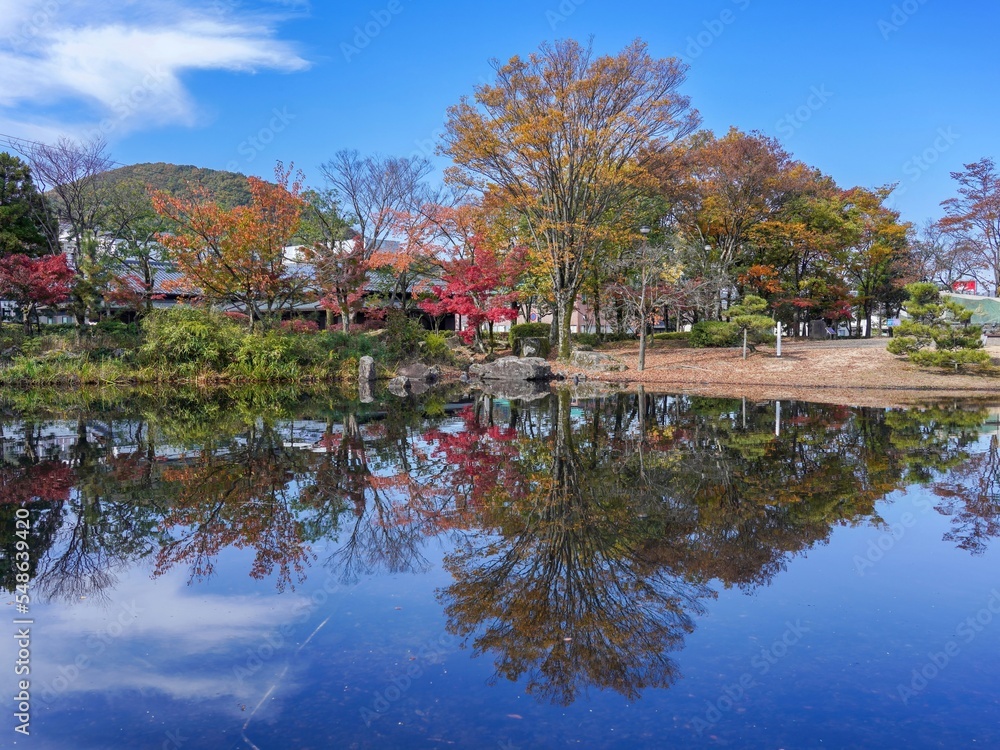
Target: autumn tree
<point x="721" y="190"/>
<point x="73" y="174"/>
<point x="940" y="257"/>
<point x="876" y="252"/>
<point x="648" y="272"/>
<point x="564" y="136"/>
<point x="237" y="256"/>
<point x="973" y="217"/>
<point x="34" y="282"/>
<point x="338" y="268"/>
<point x="481" y="288"/>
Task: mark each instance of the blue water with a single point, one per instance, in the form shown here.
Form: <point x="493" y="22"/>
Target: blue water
<point x="861" y="638"/>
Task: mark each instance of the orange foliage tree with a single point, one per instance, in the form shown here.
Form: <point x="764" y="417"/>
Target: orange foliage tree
<point x="236" y="256"/>
<point x="563" y="137"/>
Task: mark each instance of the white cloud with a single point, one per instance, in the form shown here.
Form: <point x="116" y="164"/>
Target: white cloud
<point x="119" y="66"/>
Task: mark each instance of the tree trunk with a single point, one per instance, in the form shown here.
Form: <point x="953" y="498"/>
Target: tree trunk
<point x="565" y="316"/>
<point x="642" y="341"/>
<point x="597" y="311"/>
<point x="330" y="317"/>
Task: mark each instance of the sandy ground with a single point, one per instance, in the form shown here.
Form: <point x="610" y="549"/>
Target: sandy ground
<point x="851" y="372"/>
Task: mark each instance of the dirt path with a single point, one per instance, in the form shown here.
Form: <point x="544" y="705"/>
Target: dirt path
<point x="849" y="372"/>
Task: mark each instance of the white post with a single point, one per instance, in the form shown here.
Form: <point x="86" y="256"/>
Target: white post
<point x="777" y="419"/>
<point x="779" y="340"/>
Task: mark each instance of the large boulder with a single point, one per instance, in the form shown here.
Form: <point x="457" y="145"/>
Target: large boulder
<point x="419" y="371"/>
<point x="514" y="368"/>
<point x="596" y="361"/>
<point x="366" y="370"/>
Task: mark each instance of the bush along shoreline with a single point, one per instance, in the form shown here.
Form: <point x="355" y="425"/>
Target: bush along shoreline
<point x="193" y="345"/>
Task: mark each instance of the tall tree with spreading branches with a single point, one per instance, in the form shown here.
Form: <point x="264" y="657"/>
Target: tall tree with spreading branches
<point x="564" y="137"/>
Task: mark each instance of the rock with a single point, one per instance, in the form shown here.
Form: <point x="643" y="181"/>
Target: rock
<point x="419" y="371"/>
<point x="533" y="346"/>
<point x="583" y="348"/>
<point x="522" y="390"/>
<point x="400" y="386"/>
<point x="513" y="368"/>
<point x="477" y="370"/>
<point x="366" y="370"/>
<point x="596" y="361"/>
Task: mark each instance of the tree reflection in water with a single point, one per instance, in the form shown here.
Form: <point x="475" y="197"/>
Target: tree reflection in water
<point x="585" y="538"/>
<point x="564" y="592"/>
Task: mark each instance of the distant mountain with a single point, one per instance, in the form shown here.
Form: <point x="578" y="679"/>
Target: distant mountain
<point x="227" y="188"/>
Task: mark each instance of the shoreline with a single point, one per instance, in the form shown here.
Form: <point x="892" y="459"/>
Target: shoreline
<point x="855" y="372"/>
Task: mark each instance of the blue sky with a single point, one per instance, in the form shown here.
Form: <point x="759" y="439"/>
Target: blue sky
<point x="870" y="92"/>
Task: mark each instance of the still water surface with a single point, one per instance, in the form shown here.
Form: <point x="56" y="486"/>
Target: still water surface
<point x="636" y="571"/>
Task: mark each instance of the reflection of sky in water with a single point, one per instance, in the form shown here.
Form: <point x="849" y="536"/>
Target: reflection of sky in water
<point x="812" y="660"/>
<point x="199" y="662"/>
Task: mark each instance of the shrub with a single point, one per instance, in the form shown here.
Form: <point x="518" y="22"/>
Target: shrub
<point x="188" y="336"/>
<point x="264" y="357"/>
<point x="527" y="331"/>
<point x="673" y="336"/>
<point x="117" y="328"/>
<point x="402" y="336"/>
<point x="713" y="333"/>
<point x="586" y="339"/>
<point x="299" y="326"/>
<point x="436" y="349"/>
<point x="953" y="358"/>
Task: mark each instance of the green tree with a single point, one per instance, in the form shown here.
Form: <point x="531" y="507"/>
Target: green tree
<point x="750" y="319"/>
<point x="943" y="323"/>
<point x="20" y="203"/>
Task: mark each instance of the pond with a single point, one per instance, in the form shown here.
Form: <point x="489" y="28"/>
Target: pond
<point x="283" y="570"/>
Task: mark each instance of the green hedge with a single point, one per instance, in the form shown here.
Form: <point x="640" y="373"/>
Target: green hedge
<point x="673" y="336"/>
<point x="714" y="333"/>
<point x="527" y="331"/>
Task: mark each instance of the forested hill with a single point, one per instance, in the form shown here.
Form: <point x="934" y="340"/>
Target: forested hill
<point x="228" y="188"/>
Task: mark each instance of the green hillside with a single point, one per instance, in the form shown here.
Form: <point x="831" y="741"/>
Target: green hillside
<point x="228" y="188"/>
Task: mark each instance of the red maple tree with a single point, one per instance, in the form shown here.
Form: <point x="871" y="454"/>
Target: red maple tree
<point x="35" y="282"/>
<point x="482" y="288"/>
